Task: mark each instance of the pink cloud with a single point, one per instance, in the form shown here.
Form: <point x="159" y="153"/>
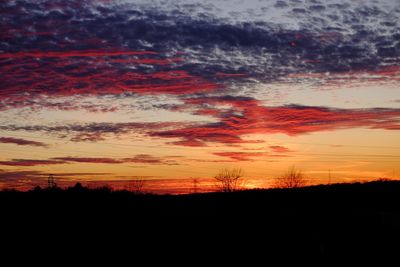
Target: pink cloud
<point x="280" y="149"/>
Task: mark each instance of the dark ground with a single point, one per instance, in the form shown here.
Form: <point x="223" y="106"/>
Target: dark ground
<point x="320" y="224"/>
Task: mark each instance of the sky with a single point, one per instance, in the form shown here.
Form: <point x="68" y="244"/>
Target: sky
<point x="103" y="92"/>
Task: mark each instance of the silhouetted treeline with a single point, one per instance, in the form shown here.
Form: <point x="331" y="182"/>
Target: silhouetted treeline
<point x="316" y="222"/>
<point x="370" y="197"/>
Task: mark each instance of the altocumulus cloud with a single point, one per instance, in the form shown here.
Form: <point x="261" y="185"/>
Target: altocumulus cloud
<point x="74" y="48"/>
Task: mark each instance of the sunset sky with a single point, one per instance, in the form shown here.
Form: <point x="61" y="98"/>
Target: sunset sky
<point x="106" y="91"/>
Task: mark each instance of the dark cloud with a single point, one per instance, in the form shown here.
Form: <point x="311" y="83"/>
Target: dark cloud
<point x="94" y="131"/>
<point x="11" y="176"/>
<point x="30" y="162"/>
<point x="68" y="48"/>
<point x="21" y="142"/>
<point x="39" y="103"/>
<point x="89" y="160"/>
<point x="141" y="158"/>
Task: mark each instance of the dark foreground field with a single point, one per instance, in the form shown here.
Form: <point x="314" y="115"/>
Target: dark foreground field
<point x="321" y="223"/>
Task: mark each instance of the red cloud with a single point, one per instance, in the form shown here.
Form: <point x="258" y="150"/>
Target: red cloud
<point x="247" y="116"/>
<point x="21" y="142"/>
<point x="85" y="79"/>
<point x="30" y="162"/>
<point x="31" y="76"/>
<point x="280" y="149"/>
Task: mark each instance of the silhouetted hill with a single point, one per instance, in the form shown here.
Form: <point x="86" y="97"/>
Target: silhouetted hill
<point x="378" y="198"/>
<point x="318" y="222"/>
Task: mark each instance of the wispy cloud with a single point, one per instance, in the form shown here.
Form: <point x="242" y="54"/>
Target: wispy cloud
<point x="241" y="156"/>
<point x="95" y="131"/>
<point x="21" y="142"/>
<point x="280" y="149"/>
<point x="89" y="160"/>
<point x="141" y="158"/>
<point x="30" y="162"/>
<point x="248" y="156"/>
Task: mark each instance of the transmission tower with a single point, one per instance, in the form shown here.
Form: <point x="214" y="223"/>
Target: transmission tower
<point x="51" y="181"/>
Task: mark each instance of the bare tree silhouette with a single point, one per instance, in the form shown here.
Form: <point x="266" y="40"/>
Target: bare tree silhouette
<point x="293" y="178"/>
<point x="137" y="185"/>
<point x="228" y="179"/>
